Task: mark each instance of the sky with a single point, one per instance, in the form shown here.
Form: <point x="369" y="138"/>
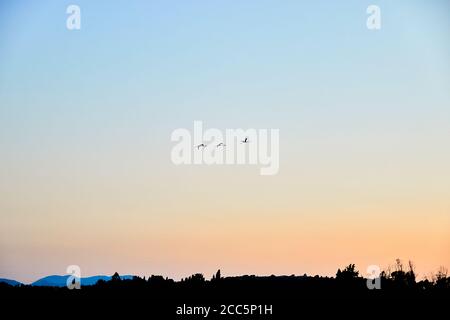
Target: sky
<point x="86" y="117"/>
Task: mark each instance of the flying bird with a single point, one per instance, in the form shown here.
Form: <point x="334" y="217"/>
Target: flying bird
<point x="201" y="145"/>
<point x="221" y="145"/>
<point x="245" y="140"/>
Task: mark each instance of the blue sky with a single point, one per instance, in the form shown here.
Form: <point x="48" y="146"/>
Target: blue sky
<point x="188" y="55"/>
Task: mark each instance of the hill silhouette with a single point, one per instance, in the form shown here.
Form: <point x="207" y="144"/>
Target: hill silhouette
<point x="61" y="281"/>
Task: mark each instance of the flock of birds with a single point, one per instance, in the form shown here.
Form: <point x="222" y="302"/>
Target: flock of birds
<point x="202" y="145"/>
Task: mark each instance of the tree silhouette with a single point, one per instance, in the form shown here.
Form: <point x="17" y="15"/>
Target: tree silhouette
<point x="116" y="277"/>
<point x="402" y="278"/>
<point x="441" y="280"/>
<point x="348" y="273"/>
<point x="217" y="276"/>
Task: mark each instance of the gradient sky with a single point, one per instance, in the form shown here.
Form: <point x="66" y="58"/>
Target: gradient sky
<point x="86" y="117"/>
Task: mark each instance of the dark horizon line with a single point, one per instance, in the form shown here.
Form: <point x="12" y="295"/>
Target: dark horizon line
<point x="398" y="266"/>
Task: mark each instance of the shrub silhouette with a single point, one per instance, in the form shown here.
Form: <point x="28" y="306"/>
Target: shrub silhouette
<point x="116" y="277"/>
<point x="217" y="276"/>
<point x="197" y="278"/>
<point x="401" y="277"/>
<point x="349" y="273"/>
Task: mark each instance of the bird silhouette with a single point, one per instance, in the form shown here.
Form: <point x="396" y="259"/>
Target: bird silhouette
<point x="201" y="145"/>
<point x="245" y="140"/>
<point x="221" y="145"/>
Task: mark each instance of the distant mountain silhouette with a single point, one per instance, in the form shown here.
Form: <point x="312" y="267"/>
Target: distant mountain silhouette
<point x="61" y="281"/>
<point x="10" y="282"/>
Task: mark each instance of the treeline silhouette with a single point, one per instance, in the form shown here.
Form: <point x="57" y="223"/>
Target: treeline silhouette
<point x="347" y="288"/>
